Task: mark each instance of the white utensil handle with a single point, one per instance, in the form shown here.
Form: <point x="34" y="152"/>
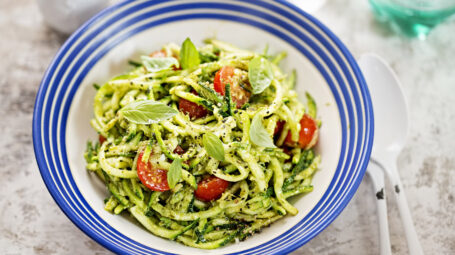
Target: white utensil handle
<point x="377" y="177"/>
<point x="411" y="236"/>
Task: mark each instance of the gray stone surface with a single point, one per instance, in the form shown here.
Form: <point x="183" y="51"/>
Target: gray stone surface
<point x="31" y="222"/>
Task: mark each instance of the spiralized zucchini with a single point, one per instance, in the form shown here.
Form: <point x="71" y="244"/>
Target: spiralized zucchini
<point x="259" y="157"/>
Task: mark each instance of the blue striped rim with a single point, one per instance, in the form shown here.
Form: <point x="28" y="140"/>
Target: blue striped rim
<point x="78" y="216"/>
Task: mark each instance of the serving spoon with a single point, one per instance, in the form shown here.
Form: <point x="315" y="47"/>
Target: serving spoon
<point x="391" y="126"/>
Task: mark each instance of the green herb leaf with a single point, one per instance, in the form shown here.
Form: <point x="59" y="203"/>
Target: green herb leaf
<point x="258" y="134"/>
<point x="213" y="146"/>
<point x="175" y="173"/>
<point x="147" y="112"/>
<point x="189" y="56"/>
<point x="158" y="64"/>
<point x="260" y="74"/>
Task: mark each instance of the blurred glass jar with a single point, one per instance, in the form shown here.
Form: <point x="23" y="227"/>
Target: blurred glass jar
<point x="66" y="16"/>
<point x="413" y="17"/>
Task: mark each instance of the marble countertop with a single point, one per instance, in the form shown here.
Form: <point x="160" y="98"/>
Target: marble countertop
<point x="32" y="223"/>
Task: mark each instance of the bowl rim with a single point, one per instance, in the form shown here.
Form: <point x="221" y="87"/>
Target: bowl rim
<point x="362" y="164"/>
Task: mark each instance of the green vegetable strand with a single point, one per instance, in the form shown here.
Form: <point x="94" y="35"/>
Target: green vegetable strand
<point x="172" y="139"/>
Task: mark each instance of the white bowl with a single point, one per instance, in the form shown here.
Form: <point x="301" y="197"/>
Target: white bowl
<point x="100" y="50"/>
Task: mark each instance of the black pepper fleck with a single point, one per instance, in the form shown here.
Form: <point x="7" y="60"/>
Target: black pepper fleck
<point x="380" y="194"/>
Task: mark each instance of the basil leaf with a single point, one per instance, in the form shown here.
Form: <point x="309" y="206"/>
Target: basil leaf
<point x="158" y="64"/>
<point x="147" y="112"/>
<point x="260" y="74"/>
<point x="213" y="146"/>
<point x="175" y="173"/>
<point x="189" y="56"/>
<point x="258" y="134"/>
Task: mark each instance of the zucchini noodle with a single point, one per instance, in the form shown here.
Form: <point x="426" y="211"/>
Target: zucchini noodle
<point x="259" y="178"/>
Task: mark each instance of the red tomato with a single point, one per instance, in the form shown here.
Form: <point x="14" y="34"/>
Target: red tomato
<point x="210" y="188"/>
<point x="163" y="54"/>
<point x="158" y="54"/>
<point x="279" y="126"/>
<point x="180" y="151"/>
<point x="225" y="76"/>
<point x="193" y="110"/>
<point x="102" y="139"/>
<point x="287" y="150"/>
<point x="153" y="178"/>
<point x="308" y="135"/>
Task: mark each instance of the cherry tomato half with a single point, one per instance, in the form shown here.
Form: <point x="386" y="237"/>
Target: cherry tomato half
<point x="163" y="54"/>
<point x="193" y="110"/>
<point x="225" y="76"/>
<point x="210" y="188"/>
<point x="279" y="126"/>
<point x="153" y="178"/>
<point x="158" y="54"/>
<point x="308" y="135"/>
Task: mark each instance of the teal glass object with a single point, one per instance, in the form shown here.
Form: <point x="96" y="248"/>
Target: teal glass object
<point x="413" y="18"/>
